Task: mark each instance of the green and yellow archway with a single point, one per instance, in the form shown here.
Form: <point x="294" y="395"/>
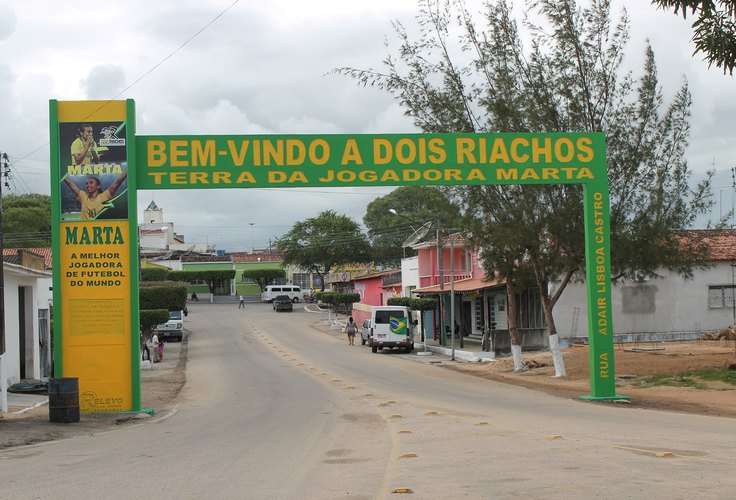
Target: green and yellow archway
<point x="95" y="243"/>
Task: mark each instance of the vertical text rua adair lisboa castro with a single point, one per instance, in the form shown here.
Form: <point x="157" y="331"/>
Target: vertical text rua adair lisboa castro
<point x="511" y="158"/>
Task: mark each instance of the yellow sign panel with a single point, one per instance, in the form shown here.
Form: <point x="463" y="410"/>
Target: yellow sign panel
<point x="96" y="312"/>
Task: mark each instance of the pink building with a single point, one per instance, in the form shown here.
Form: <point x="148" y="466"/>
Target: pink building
<point x="375" y="289"/>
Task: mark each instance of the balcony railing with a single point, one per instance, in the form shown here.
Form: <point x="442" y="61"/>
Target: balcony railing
<point x="447" y="278"/>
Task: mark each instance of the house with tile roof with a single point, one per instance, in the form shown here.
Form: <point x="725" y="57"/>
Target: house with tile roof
<point x="667" y="307"/>
<point x="245" y="261"/>
<point x="225" y="291"/>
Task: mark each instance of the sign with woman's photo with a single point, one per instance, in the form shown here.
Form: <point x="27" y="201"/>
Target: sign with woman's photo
<point x="94" y="169"/>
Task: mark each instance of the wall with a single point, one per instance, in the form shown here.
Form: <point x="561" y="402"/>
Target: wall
<point x="35" y="289"/>
<point x="669" y="304"/>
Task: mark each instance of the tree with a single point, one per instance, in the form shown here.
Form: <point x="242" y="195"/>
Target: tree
<point x="156" y="299"/>
<point x="26" y="221"/>
<point x="320" y="243"/>
<point x="570" y="79"/>
<point x="214" y="278"/>
<point x="421" y="204"/>
<point x="263" y="277"/>
<point x="714" y="29"/>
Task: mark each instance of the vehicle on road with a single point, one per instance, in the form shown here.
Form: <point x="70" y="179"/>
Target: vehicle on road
<point x="283" y="303"/>
<point x="172" y="329"/>
<point x="392" y="326"/>
<point x="365" y="332"/>
<point x="273" y="291"/>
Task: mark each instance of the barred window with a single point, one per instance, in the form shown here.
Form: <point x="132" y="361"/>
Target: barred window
<point x="301" y="280"/>
<point x="531" y="313"/>
<point x="721" y="296"/>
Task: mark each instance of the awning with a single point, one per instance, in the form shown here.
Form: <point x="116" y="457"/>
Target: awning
<point x="462" y="286"/>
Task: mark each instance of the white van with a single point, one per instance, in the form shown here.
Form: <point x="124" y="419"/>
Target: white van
<point x="392" y="326"/>
<point x="271" y="291"/>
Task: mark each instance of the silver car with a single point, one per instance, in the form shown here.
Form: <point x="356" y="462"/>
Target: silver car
<point x="366" y="332"/>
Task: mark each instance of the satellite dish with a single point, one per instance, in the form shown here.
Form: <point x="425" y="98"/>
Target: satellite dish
<point x="417" y="235"/>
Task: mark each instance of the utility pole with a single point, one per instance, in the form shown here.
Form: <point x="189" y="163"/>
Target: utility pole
<point x="4" y="180"/>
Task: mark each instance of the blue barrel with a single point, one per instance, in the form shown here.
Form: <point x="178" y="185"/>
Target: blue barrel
<point x="64" y="400"/>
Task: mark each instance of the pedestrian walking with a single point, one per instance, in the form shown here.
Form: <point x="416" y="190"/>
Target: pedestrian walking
<point x="242" y="302"/>
<point x="351" y="329"/>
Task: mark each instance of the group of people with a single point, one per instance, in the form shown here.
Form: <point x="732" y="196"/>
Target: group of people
<point x="158" y="349"/>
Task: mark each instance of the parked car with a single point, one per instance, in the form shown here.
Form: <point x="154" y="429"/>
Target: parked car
<point x="283" y="303"/>
<point x="172" y="329"/>
<point x="365" y="332"/>
<point x="392" y="326"/>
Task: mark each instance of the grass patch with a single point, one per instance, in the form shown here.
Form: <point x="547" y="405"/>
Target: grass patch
<point x="692" y="378"/>
<point x="716" y="374"/>
<point x="670" y="381"/>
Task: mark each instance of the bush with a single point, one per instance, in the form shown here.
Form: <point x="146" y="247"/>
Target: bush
<point x="413" y="303"/>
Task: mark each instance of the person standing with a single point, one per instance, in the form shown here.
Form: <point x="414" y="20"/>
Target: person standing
<point x="92" y="199"/>
<point x="84" y="147"/>
<point x="351" y="329"/>
<point x="242" y="302"/>
<point x="156" y="352"/>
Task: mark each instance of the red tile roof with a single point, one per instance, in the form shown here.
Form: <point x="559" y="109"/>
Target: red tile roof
<point x="240" y="257"/>
<point x="722" y="242"/>
<point x="42" y="251"/>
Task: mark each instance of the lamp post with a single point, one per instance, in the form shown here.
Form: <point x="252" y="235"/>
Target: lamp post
<point x="141" y="234"/>
<point x="426" y="352"/>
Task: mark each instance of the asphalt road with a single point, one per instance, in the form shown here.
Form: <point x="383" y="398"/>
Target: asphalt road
<point x="274" y="408"/>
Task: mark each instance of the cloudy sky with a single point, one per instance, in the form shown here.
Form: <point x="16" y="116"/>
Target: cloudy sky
<point x="245" y="67"/>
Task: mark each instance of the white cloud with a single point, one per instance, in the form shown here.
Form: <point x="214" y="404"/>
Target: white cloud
<point x="262" y="68"/>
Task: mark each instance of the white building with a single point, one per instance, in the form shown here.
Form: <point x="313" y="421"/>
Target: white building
<point x="668" y="307"/>
<point x="157" y="237"/>
<point x="27" y="299"/>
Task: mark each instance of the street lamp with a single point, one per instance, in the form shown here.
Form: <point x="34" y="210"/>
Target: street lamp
<point x="142" y="233"/>
<point x="426" y="225"/>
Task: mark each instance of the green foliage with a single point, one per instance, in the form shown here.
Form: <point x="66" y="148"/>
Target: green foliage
<point x="264" y="277"/>
<point x="670" y="381"/>
<point x="320" y="243"/>
<point x="169" y="295"/>
<point x="415" y="206"/>
<point x="152" y="317"/>
<point x="415" y="304"/>
<point x="690" y="378"/>
<point x="715" y="374"/>
<point x="487" y="79"/>
<point x="714" y="29"/>
<point x="154" y="274"/>
<point x="337" y="299"/>
<point x="213" y="278"/>
<point x="26" y="221"/>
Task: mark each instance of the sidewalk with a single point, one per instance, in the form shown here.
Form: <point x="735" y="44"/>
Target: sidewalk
<point x="21" y="403"/>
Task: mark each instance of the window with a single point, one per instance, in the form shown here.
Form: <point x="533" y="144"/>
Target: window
<point x="246" y="279"/>
<point x="302" y="280"/>
<point x="531" y="314"/>
<point x="721" y="296"/>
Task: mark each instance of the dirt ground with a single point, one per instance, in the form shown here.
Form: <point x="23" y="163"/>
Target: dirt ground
<point x="159" y="388"/>
<point x="633" y="363"/>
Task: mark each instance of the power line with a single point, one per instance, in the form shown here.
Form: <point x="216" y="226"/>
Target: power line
<point x="151" y="70"/>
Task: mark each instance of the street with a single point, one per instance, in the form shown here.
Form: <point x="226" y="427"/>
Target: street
<point x="274" y="408"/>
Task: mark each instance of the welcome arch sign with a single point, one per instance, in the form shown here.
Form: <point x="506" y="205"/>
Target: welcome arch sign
<point x="98" y="164"/>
